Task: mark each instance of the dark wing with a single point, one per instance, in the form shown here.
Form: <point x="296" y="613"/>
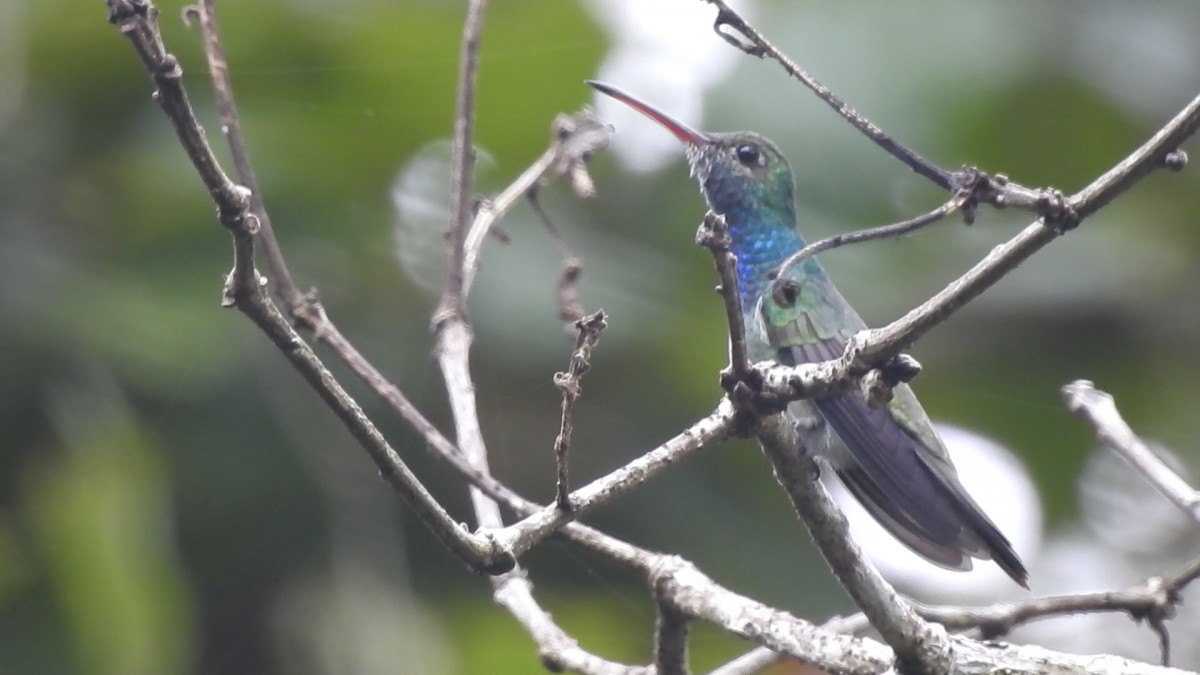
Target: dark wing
<point x="902" y="474"/>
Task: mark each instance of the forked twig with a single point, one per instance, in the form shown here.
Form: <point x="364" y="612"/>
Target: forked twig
<point x="244" y="289"/>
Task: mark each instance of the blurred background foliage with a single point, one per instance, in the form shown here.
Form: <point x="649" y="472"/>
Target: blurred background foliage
<point x="174" y="500"/>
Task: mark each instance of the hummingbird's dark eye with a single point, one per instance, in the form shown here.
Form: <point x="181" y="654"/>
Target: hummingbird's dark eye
<point x="748" y="155"/>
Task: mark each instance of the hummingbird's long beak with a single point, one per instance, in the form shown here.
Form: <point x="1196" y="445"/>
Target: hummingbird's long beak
<point x="682" y="131"/>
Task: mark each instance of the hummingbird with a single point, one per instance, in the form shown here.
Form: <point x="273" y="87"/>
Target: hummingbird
<point x="889" y="457"/>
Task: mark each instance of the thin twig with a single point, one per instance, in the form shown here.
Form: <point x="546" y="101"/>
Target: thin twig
<point x="702" y="598"/>
<point x="231" y="127"/>
<point x="569" y="383"/>
<point x="138" y="21"/>
<point x="566" y="290"/>
<point x="462" y="163"/>
<point x="712" y="429"/>
<point x="880" y="344"/>
<point x="304" y="309"/>
<point x="753" y="43"/>
<point x="512" y="590"/>
<point x="883" y="232"/>
<point x="713" y="235"/>
<point x="1154" y="601"/>
<point x="557" y="650"/>
<point x="478" y="551"/>
<point x="1100" y="410"/>
<point x="698" y="596"/>
<point x="574" y="139"/>
<point x="998" y="191"/>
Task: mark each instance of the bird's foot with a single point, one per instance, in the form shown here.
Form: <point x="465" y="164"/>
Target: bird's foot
<point x="748" y="393"/>
<point x="878" y="383"/>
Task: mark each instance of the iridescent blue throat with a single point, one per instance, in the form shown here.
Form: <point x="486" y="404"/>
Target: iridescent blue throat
<point x="760" y="247"/>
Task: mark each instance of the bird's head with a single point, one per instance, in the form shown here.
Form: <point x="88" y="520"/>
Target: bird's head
<point x="740" y="172"/>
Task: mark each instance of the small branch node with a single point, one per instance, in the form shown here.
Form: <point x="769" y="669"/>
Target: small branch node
<point x="1176" y="160"/>
<point x="189" y="14"/>
<point x="123" y="12"/>
<point x="497" y="559"/>
<point x="169" y="68"/>
<point x="967" y="187"/>
<point x="253" y="224"/>
<point x="1052" y="205"/>
<point x="741" y="37"/>
<point x="576" y="137"/>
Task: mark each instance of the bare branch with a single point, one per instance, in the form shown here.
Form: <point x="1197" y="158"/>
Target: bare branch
<point x="1155" y="597"/>
<point x="998" y="191"/>
<point x="478" y="551"/>
<point x="575" y="138"/>
<point x="570" y="384"/>
<point x="826" y="647"/>
<point x="231" y="127"/>
<point x="462" y="163"/>
<point x="753" y="43"/>
<point x="244" y="289"/>
<point x="512" y="589"/>
<point x="303" y="308"/>
<point x="880" y="344"/>
<point x="713" y="235"/>
<point x="138" y="21"/>
<point x="714" y="428"/>
<point x="558" y="651"/>
<point x="670" y="637"/>
<point x="884" y="232"/>
<point x="920" y="647"/>
<point x="1099" y="409"/>
<point x="699" y="596"/>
